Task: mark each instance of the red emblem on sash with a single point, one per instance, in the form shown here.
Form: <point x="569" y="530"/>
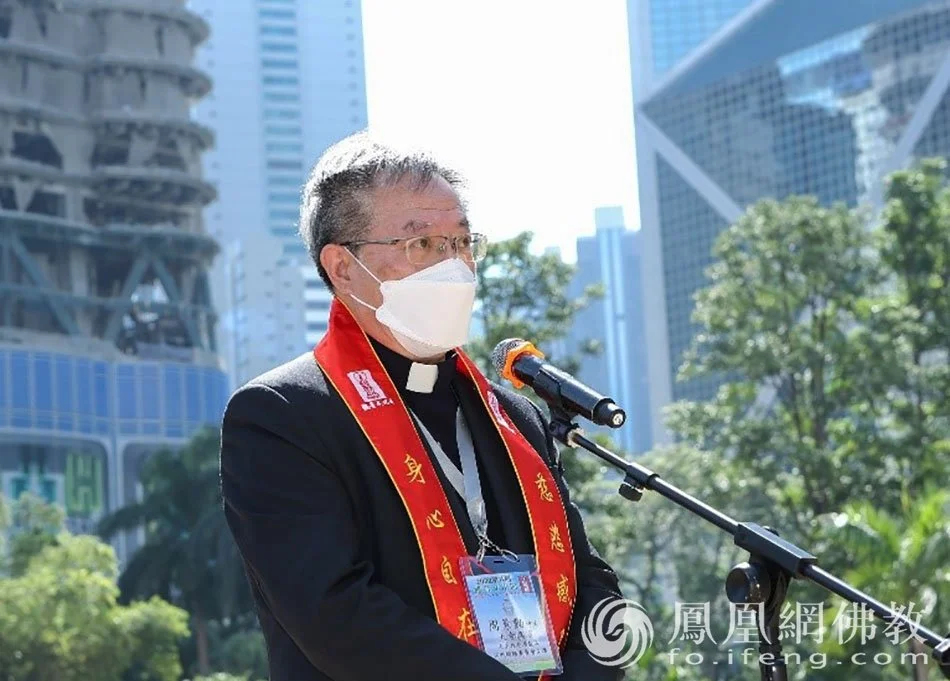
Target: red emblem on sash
<point x="356" y="373"/>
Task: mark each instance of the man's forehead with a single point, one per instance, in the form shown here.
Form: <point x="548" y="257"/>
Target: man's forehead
<point x="419" y="216"/>
<point x="434" y="205"/>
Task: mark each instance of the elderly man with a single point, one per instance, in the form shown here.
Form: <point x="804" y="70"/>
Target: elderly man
<point x="400" y="517"/>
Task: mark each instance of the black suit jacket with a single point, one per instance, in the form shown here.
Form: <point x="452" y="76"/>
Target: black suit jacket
<point x="330" y="553"/>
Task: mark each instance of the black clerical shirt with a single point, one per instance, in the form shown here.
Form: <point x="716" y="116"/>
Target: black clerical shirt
<point x="437" y="410"/>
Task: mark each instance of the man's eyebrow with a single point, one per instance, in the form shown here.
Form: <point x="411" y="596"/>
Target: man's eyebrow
<point x="416" y="225"/>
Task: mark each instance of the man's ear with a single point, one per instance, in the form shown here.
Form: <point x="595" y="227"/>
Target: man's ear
<point x="337" y="261"/>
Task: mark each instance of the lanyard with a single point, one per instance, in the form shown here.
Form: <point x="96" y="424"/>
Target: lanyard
<point x="466" y="482"/>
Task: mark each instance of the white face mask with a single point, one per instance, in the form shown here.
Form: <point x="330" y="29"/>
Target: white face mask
<point x="429" y="312"/>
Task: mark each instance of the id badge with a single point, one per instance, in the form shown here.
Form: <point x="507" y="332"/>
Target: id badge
<point x="511" y="615"/>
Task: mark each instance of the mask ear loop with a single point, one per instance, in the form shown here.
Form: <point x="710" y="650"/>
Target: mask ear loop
<point x="366" y="269"/>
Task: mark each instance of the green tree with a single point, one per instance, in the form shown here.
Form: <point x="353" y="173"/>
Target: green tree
<point x="188" y="557"/>
<point x="237" y="647"/>
<point x="523" y="295"/>
<point x="903" y="558"/>
<point x="913" y="313"/>
<point x="778" y="318"/>
<point x="831" y="340"/>
<point x="36" y="525"/>
<point x="60" y="617"/>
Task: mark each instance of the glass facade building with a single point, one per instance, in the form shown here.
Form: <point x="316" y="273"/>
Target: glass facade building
<point x="289" y="81"/>
<point x="107" y="328"/>
<point x="679" y="26"/>
<point x="76" y="429"/>
<point x="793" y="97"/>
<point x="612" y="259"/>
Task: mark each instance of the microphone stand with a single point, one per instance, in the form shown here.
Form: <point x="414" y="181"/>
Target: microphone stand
<point x="773" y="562"/>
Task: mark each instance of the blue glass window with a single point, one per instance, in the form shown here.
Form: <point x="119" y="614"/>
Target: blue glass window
<point x="281" y="114"/>
<point x="283" y="215"/>
<point x="284" y="165"/>
<point x="101" y="388"/>
<point x="279" y="30"/>
<point x="128" y="397"/>
<point x="65" y="401"/>
<point x="84" y="386"/>
<point x="281" y="80"/>
<point x="43" y="387"/>
<point x="294" y="130"/>
<point x="43" y="380"/>
<point x="210" y="392"/>
<point x="286" y="148"/>
<point x="64" y="384"/>
<point x="172" y="393"/>
<point x="221" y="383"/>
<point x="277" y="14"/>
<point x="279" y="63"/>
<point x="278" y="47"/>
<point x="282" y="97"/>
<point x="283" y="198"/>
<point x="193" y="393"/>
<point x="278" y="181"/>
<point x="150" y="392"/>
<point x="3" y="379"/>
<point x="20" y="376"/>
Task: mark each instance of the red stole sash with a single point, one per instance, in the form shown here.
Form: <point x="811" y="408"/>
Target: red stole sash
<point x="351" y="365"/>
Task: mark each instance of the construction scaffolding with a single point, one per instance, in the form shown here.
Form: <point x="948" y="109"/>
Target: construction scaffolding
<point x="101" y="193"/>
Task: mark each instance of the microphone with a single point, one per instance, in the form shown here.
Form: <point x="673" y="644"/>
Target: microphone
<point x="523" y="364"/>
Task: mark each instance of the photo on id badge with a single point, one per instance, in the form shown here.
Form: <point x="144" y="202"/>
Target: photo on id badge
<point x="510" y="613"/>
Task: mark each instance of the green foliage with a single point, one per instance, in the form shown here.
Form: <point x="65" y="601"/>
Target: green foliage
<point x="522" y="295"/>
<point x="777" y="316"/>
<point x="903" y="557"/>
<point x="189" y="557"/>
<point x="154" y="653"/>
<point x="36" y="526"/>
<point x="59" y="611"/>
<point x="832" y="423"/>
<point x="239" y="648"/>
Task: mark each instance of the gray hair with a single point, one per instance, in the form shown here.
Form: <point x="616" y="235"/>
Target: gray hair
<point x="336" y="206"/>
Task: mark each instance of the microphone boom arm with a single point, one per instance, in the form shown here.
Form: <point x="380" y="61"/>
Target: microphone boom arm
<point x="774" y="562"/>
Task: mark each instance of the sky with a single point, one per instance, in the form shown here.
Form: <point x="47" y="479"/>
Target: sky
<point x="530" y="99"/>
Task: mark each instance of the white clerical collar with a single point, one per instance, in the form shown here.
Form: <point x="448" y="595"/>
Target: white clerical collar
<point x="422" y="377"/>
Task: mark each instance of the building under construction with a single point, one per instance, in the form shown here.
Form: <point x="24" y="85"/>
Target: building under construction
<point x="106" y="322"/>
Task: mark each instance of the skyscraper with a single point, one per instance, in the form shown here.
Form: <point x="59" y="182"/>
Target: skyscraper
<point x="611" y="258"/>
<point x="289" y="81"/>
<point x="677" y="27"/>
<point x="782" y="97"/>
<point x="107" y="332"/>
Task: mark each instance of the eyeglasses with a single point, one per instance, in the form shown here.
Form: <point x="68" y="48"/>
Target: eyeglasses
<point x="431" y="249"/>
